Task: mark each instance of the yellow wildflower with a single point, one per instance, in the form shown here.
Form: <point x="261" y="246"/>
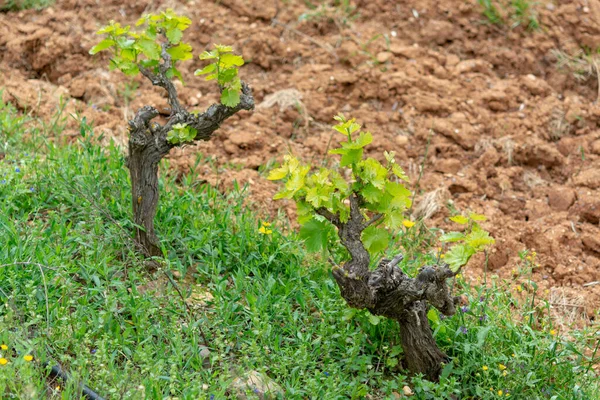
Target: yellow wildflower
<point x="266" y="224"/>
<point x="504" y="373"/>
<point x="485" y="368"/>
<point x="442" y="256"/>
<point x="28" y="357"/>
<point x="3" y="347"/>
<point x="500" y="392"/>
<point x="553" y="332"/>
<point x="519" y="288"/>
<point x="502" y="367"/>
<point x="265" y="231"/>
<point x="3" y="361"/>
<point x="407" y="223"/>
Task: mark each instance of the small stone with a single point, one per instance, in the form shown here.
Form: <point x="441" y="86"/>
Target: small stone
<point x="401" y="140"/>
<point x="595" y="147"/>
<point x="407" y="391"/>
<point x="257" y="383"/>
<point x="561" y="198"/>
<point x="384" y="56"/>
<point x="205" y="355"/>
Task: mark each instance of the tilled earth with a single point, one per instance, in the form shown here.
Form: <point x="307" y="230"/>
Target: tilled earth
<point x="500" y="125"/>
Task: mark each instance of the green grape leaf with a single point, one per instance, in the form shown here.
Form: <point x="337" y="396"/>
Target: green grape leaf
<point x="208" y="55"/>
<point x="223" y="49"/>
<point x="227" y="75"/>
<point x="459" y="219"/>
<point x="206" y="70"/>
<point x="375" y="239"/>
<point x="182" y="51"/>
<point x="316" y="196"/>
<point x="174" y="35"/>
<point x="278" y="173"/>
<point x="364" y="138"/>
<point x="400" y="195"/>
<point x="371" y="194"/>
<point x="458" y="256"/>
<point x="479" y="239"/>
<point x="103" y="45"/>
<point x="150" y="48"/>
<point x="393" y="219"/>
<point x="452" y="237"/>
<point x="399" y="172"/>
<point x="351" y="157"/>
<point x="125" y="43"/>
<point x="315" y="234"/>
<point x="229" y="60"/>
<point x="477" y="217"/>
<point x="230" y="97"/>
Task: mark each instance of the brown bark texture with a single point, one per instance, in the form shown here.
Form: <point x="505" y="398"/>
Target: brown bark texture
<point x="387" y="291"/>
<point x="148" y="145"/>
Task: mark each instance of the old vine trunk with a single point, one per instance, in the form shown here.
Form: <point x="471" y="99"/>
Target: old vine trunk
<point x="148" y="145"/>
<point x="387" y="291"/>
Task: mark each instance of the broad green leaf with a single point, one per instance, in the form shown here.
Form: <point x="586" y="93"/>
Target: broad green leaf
<point x="434" y="317"/>
<point x="206" y="70"/>
<point x="230" y="98"/>
<point x="103" y="45"/>
<point x="278" y="173"/>
<point x="125" y="43"/>
<point x="482" y="334"/>
<point x="477" y="217"/>
<point x="171" y="72"/>
<point x="364" y="138"/>
<point x="316" y="197"/>
<point x="452" y="237"/>
<point x="374" y="319"/>
<point x="129" y="54"/>
<point x="458" y="256"/>
<point x="399" y="172"/>
<point x="371" y="194"/>
<point x="479" y="239"/>
<point x="351" y="157"/>
<point x="348" y="314"/>
<point x="227" y="75"/>
<point x="459" y="219"/>
<point x="182" y="51"/>
<point x="150" y="48"/>
<point x="315" y="234"/>
<point x="228" y="60"/>
<point x="394" y="218"/>
<point x="375" y="239"/>
<point x="223" y="49"/>
<point x="174" y="35"/>
<point x="208" y="55"/>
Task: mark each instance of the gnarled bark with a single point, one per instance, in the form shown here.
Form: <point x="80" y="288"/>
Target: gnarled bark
<point x="148" y="145"/>
<point x="388" y="291"/>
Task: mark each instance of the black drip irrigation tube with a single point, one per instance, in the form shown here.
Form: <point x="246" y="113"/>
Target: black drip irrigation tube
<point x="57" y="372"/>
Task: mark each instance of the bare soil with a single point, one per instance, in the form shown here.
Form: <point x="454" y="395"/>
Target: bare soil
<point x="511" y="134"/>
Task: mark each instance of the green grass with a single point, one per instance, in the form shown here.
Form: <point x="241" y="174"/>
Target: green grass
<point x="15" y="5"/>
<point x="70" y="292"/>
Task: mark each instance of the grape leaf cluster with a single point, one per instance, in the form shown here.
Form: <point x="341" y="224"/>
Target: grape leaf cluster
<point x="224" y="69"/>
<point x="181" y="133"/>
<point x="379" y="189"/>
<point x="473" y="240"/>
<point x="163" y="32"/>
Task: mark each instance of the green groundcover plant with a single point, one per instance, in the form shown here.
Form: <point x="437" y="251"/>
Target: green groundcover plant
<point x="155" y="50"/>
